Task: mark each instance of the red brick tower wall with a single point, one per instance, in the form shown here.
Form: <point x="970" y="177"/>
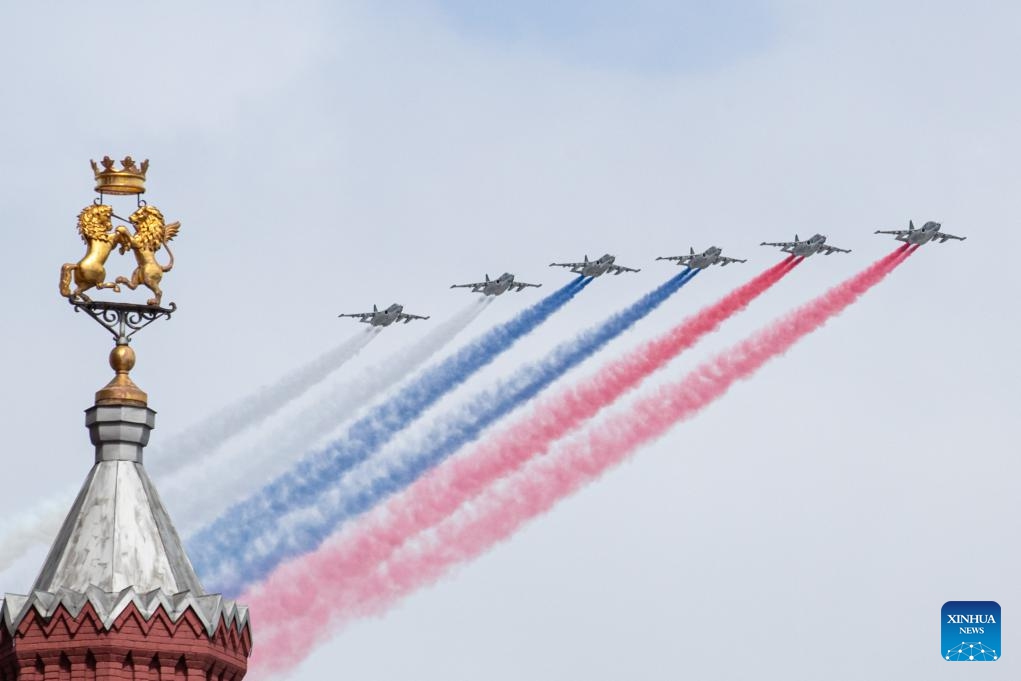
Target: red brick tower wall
<point x="65" y="648"/>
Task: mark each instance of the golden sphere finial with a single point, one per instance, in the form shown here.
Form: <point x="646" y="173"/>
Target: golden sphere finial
<point x="122" y="359"/>
<point x="122" y="390"/>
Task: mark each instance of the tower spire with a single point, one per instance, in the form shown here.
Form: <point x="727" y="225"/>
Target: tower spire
<point x="117" y="574"/>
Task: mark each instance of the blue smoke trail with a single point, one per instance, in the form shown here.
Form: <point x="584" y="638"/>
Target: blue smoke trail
<point x="226" y="479"/>
<point x="233" y="533"/>
<point x="308" y="532"/>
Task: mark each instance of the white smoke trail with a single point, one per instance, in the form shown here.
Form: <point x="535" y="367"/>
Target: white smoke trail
<point x="40" y="524"/>
<point x="230" y="477"/>
<point x="195" y="443"/>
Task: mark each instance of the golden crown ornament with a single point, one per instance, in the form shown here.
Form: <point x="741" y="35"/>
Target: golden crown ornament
<point x="149" y="233"/>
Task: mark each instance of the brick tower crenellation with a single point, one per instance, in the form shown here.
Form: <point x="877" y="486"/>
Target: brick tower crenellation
<point x="117" y="597"/>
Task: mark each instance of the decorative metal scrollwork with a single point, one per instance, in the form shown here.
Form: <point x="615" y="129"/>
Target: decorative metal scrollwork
<point x="123" y="320"/>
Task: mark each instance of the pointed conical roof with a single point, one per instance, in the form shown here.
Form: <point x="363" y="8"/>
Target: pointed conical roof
<point x="118" y="533"/>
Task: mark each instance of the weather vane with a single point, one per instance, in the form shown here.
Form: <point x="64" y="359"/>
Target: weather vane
<point x="95" y="225"/>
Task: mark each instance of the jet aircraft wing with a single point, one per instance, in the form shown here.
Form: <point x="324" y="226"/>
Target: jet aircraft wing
<point x="724" y="260"/>
<point x="520" y="285"/>
<point x="361" y="316"/>
<point x="403" y="317"/>
<point x="681" y="259"/>
<point x="833" y="249"/>
<point x="617" y="269"/>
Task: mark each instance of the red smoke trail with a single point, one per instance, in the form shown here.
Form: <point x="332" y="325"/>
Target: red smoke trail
<point x="338" y="582"/>
<point x="441" y="492"/>
<point x="438" y="495"/>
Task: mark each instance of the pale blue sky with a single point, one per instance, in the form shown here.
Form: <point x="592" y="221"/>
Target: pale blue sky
<point x="325" y="156"/>
<point x="644" y="36"/>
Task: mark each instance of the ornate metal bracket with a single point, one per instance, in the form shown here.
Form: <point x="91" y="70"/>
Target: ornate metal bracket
<point x="123" y="320"/>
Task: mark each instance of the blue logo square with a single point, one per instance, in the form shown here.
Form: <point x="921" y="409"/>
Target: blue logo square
<point x="970" y="631"/>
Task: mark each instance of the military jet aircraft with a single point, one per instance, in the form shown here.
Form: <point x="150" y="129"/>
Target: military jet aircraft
<point x="928" y="232"/>
<point x="803" y="249"/>
<point x="394" y="313"/>
<point x="700" y="261"/>
<point x="495" y="287"/>
<point x="594" y="268"/>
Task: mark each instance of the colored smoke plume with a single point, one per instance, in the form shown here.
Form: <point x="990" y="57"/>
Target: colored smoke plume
<point x="231" y="476"/>
<point x="237" y="530"/>
<point x="195" y="445"/>
<point x="376" y="480"/>
<point x="288" y="635"/>
<point x="440" y="493"/>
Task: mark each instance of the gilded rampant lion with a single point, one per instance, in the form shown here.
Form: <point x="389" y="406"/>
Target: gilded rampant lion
<point x="150" y="233"/>
<point x="96" y="230"/>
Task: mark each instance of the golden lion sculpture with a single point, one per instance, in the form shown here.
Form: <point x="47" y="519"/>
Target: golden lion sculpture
<point x="150" y="234"/>
<point x="96" y="230"/>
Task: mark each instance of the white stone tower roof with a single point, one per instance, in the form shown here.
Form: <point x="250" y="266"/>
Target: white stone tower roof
<point x="118" y="534"/>
<point x="117" y="545"/>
